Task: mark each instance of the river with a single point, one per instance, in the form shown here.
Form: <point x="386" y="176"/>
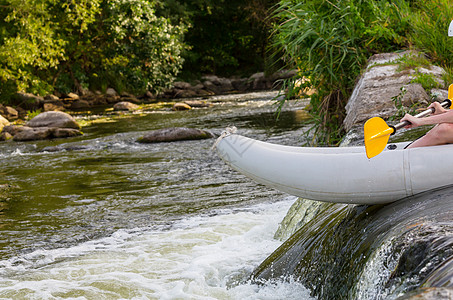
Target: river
<point x="103" y="217"/>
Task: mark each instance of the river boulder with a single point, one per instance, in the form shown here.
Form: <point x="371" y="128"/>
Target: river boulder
<point x="174" y="134"/>
<point x="25" y="133"/>
<point x="47" y="125"/>
<point x="382" y="81"/>
<point x="181" y="106"/>
<point x="53" y="105"/>
<point x="53" y="119"/>
<point x="125" y="106"/>
<point x="3" y="122"/>
<point x="10" y="113"/>
<point x="385" y="87"/>
<point x="4" y="136"/>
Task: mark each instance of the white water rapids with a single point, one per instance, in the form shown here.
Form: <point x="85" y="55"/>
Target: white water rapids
<point x="203" y="257"/>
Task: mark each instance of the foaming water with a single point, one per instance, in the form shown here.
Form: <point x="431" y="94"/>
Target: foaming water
<point x="101" y="216"/>
<point x="202" y="257"/>
<point x="371" y="252"/>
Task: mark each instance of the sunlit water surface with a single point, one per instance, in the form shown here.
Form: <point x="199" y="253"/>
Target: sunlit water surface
<point x="106" y="217"/>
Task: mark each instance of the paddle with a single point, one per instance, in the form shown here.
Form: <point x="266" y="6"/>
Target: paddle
<point x="377" y="132"/>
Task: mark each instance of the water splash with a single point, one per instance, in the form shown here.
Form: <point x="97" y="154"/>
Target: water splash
<point x="203" y="257"/>
<point x="370" y="252"/>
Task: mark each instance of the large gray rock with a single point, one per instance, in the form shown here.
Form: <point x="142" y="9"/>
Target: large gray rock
<point x="300" y="213"/>
<point x="380" y="83"/>
<point x="175" y="134"/>
<point x="53" y="119"/>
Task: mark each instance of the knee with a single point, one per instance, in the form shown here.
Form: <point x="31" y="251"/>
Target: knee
<point x="444" y="131"/>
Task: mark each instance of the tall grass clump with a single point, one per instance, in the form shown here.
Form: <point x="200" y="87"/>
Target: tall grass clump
<point x="430" y="22"/>
<point x="329" y="42"/>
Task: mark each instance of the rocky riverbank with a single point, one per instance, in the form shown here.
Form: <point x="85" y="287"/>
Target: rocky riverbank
<point x="207" y="86"/>
<point x="187" y="96"/>
<point x="390" y="85"/>
<point x="385" y="89"/>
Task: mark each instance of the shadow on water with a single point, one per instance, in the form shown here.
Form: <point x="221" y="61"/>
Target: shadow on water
<point x="371" y="252"/>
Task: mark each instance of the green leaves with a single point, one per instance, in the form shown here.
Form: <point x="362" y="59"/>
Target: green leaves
<point x="330" y="42"/>
<point x="29" y="46"/>
<point x="145" y="50"/>
<point x="83" y="44"/>
<point x="429" y="31"/>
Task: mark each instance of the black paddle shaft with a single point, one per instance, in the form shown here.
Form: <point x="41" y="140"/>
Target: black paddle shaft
<point x="446" y="103"/>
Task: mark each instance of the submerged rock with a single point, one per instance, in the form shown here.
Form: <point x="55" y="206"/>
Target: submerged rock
<point x="175" y="134"/>
<point x="5" y="189"/>
<point x="300" y="213"/>
<point x="65" y="148"/>
<point x="430" y="294"/>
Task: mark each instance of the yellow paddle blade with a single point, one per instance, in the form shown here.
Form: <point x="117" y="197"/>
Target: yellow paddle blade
<point x="377" y="134"/>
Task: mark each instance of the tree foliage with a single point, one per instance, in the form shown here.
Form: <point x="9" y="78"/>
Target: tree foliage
<point x="226" y="37"/>
<point x="75" y="45"/>
<point x="28" y="46"/>
<point x="133" y="45"/>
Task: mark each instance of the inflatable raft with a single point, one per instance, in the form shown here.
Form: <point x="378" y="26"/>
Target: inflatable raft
<point x="339" y="174"/>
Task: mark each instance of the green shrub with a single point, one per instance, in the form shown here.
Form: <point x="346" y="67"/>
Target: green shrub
<point x="144" y="50"/>
<point x="52" y="44"/>
<point x="430" y="20"/>
<point x="329" y="42"/>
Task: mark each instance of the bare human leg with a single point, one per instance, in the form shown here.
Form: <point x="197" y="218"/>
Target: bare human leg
<point x="441" y="134"/>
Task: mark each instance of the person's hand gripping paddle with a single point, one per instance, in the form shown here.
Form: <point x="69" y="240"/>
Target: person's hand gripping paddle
<point x="377" y="132"/>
